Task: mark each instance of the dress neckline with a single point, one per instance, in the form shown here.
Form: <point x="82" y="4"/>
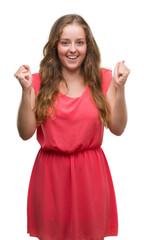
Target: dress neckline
<point x="74" y="97"/>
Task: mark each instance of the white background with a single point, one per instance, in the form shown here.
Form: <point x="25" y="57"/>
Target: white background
<point x="118" y="29"/>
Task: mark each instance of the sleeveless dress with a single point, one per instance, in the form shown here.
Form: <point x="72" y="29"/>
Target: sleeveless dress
<point x="71" y="194"/>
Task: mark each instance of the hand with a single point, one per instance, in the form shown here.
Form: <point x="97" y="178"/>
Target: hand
<point x="121" y="73"/>
<point x="24" y="76"/>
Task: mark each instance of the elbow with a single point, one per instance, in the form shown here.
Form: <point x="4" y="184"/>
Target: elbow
<point x="117" y="130"/>
<point x="25" y="137"/>
<point x="26" y="132"/>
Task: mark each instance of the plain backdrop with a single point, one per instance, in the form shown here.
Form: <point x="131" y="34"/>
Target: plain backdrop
<point x="118" y="29"/>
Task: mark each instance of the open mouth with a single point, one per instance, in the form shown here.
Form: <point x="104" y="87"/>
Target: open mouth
<point x="72" y="57"/>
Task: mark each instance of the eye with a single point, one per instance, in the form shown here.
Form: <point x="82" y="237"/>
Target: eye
<point x="64" y="43"/>
<point x="80" y="42"/>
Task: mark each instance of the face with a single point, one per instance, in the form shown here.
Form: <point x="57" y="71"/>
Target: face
<point x="72" y="47"/>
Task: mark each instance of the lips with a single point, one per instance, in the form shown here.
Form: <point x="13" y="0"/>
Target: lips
<point x="72" y="57"/>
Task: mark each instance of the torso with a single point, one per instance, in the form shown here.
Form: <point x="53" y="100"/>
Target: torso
<point x="75" y="90"/>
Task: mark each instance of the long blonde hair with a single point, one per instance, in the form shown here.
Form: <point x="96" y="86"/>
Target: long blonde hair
<point x="51" y="71"/>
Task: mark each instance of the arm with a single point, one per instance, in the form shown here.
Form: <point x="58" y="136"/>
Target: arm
<point x="116" y="98"/>
<point x="26" y="122"/>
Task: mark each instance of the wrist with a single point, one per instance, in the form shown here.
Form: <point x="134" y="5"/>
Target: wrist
<point x="26" y="90"/>
<point x="26" y="93"/>
<point x="120" y="91"/>
<point x="120" y="87"/>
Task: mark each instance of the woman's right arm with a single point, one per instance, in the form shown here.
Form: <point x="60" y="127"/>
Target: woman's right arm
<point x="26" y="122"/>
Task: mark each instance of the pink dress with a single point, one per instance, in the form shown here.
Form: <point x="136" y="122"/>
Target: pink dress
<point x="71" y="194"/>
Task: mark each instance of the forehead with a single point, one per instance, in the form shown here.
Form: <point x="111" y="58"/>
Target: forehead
<point x="73" y="31"/>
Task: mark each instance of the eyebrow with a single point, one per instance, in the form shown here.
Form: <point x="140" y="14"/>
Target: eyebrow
<point x="69" y="39"/>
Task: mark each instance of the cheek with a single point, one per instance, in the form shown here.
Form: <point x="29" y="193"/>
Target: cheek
<point x="83" y="52"/>
<point x="61" y="50"/>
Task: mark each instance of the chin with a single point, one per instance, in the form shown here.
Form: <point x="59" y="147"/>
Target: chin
<point x="72" y="68"/>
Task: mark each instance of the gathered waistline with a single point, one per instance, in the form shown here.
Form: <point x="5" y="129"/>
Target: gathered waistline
<point x="69" y="153"/>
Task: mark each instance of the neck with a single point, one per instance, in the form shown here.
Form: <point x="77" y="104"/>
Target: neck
<point x="73" y="76"/>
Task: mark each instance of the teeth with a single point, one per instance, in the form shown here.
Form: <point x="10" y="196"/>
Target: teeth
<point x="72" y="57"/>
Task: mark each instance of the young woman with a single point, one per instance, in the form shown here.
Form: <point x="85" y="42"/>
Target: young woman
<point x="71" y="194"/>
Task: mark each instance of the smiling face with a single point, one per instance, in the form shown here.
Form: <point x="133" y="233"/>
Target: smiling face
<point x="72" y="47"/>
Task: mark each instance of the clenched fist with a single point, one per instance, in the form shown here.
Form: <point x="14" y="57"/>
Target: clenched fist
<point x="24" y="76"/>
<point x="121" y="73"/>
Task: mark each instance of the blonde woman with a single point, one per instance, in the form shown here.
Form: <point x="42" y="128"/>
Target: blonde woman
<point x="69" y="102"/>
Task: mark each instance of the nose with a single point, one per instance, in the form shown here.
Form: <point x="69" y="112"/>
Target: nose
<point x="72" y="48"/>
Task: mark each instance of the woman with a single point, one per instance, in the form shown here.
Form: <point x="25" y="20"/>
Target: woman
<point x="71" y="194"/>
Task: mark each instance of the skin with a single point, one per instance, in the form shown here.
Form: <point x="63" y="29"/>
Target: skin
<point x="26" y="121"/>
<point x="116" y="98"/>
<point x="73" y="42"/>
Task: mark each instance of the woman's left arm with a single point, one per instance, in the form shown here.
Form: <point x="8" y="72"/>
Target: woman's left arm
<point x="116" y="98"/>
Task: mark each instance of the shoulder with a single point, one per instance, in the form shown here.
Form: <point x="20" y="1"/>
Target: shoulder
<point x="36" y="82"/>
<point x="106" y="79"/>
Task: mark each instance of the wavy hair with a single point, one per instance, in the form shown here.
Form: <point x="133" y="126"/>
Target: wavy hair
<point x="51" y="72"/>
